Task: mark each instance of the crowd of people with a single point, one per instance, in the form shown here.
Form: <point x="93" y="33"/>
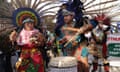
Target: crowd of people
<point x="87" y="43"/>
<point x="38" y="46"/>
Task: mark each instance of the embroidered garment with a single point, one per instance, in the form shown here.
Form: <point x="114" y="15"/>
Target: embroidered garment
<point x="24" y="36"/>
<point x="31" y="57"/>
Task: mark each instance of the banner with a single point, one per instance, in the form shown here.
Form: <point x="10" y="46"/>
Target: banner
<point x="113" y="42"/>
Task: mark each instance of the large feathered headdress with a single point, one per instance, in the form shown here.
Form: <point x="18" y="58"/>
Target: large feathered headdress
<point x="45" y="7"/>
<point x="18" y="10"/>
<point x="75" y="6"/>
<point x="106" y="11"/>
<point x="103" y="19"/>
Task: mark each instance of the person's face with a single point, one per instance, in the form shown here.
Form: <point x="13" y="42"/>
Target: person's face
<point x="29" y="26"/>
<point x="68" y="18"/>
<point x="100" y="24"/>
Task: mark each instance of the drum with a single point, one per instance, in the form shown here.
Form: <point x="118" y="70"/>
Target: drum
<point x="63" y="64"/>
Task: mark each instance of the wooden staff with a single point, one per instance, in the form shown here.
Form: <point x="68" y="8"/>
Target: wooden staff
<point x="72" y="38"/>
<point x="80" y="30"/>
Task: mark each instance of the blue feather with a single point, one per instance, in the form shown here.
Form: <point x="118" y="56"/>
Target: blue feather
<point x="75" y="6"/>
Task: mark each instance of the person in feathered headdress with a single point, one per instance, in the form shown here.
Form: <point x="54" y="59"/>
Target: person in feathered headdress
<point x="75" y="6"/>
<point x="28" y="39"/>
<point x="100" y="35"/>
<point x="68" y="8"/>
<point x="63" y="35"/>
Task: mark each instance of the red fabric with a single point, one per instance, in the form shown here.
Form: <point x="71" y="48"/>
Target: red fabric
<point x="41" y="68"/>
<point x="95" y="66"/>
<point x="106" y="68"/>
<point x="104" y="50"/>
<point x="22" y="68"/>
<point x="27" y="55"/>
<point x="35" y="56"/>
<point x="28" y="46"/>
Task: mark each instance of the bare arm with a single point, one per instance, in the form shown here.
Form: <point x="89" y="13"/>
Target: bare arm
<point x="13" y="36"/>
<point x="70" y="29"/>
<point x="81" y="30"/>
<point x="41" y="39"/>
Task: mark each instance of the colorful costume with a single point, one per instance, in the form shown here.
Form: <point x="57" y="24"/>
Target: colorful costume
<point x="63" y="37"/>
<point x="81" y="52"/>
<point x="100" y="37"/>
<point x="30" y="59"/>
<point x="30" y="55"/>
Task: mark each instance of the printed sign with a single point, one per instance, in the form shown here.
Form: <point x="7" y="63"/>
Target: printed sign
<point x="113" y="41"/>
<point x="114" y="49"/>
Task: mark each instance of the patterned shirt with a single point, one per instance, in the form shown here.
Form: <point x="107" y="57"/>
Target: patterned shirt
<point x="24" y="36"/>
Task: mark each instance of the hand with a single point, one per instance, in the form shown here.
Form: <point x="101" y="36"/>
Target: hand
<point x="84" y="28"/>
<point x="81" y="30"/>
<point x="74" y="43"/>
<point x="63" y="40"/>
<point x="13" y="36"/>
<point x="40" y="40"/>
